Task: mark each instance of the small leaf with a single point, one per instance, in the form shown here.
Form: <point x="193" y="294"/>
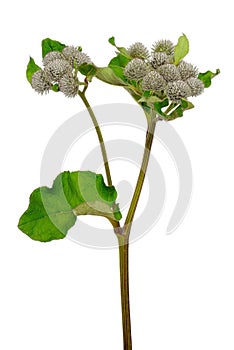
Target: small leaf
<point x="150" y="99"/>
<point x="117" y="64"/>
<point x="32" y="68"/>
<point x="112" y="40"/>
<point x="181" y="49"/>
<point x="55" y="88"/>
<point x="89" y="70"/>
<point x="122" y="50"/>
<point x="49" y="45"/>
<point x="107" y="75"/>
<point x="178" y="112"/>
<point x="159" y="105"/>
<point x="207" y="76"/>
<point x="52" y="211"/>
<point x="119" y="61"/>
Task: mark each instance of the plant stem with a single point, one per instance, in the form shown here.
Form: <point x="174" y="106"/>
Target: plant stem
<point x="100" y="137"/>
<point x="124" y="238"/>
<point x="141" y="176"/>
<point x="124" y="285"/>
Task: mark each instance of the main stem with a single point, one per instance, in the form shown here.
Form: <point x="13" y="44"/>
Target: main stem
<point x="124" y="286"/>
<point x="124" y="239"/>
<point x="100" y="137"/>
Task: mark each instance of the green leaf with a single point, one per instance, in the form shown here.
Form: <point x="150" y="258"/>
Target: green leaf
<point x="112" y="41"/>
<point x="119" y="61"/>
<point x="55" y="88"/>
<point x="159" y="105"/>
<point x="53" y="211"/>
<point x="178" y="110"/>
<point x="49" y="45"/>
<point x="174" y="110"/>
<point x="117" y="64"/>
<point x="89" y="70"/>
<point x="150" y="100"/>
<point x="207" y="76"/>
<point x="181" y="49"/>
<point x="107" y="75"/>
<point x="122" y="50"/>
<point x="32" y="68"/>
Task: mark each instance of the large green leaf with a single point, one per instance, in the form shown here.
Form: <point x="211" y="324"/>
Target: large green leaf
<point x="32" y="68"/>
<point x="49" y="45"/>
<point x="207" y="76"/>
<point x="181" y="49"/>
<point x="53" y="211"/>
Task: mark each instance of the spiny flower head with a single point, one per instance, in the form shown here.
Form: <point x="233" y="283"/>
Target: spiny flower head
<point x="81" y="58"/>
<point x="196" y="86"/>
<point x="153" y="81"/>
<point x="138" y="50"/>
<point x="159" y="58"/>
<point x="51" y="56"/>
<point x="136" y="69"/>
<point x="169" y="72"/>
<point x="57" y="68"/>
<point x="177" y="90"/>
<point x="40" y="82"/>
<point x="187" y="70"/>
<point x="69" y="52"/>
<point x="75" y="57"/>
<point x="69" y="85"/>
<point x="164" y="46"/>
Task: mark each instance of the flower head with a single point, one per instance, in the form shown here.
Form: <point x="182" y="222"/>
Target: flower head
<point x="40" y="82"/>
<point x="187" y="70"/>
<point x="159" y="58"/>
<point x="164" y="46"/>
<point x="169" y="72"/>
<point x="138" y="50"/>
<point x="136" y="69"/>
<point x="69" y="52"/>
<point x="69" y="85"/>
<point x="81" y="58"/>
<point x="51" y="56"/>
<point x="196" y="86"/>
<point x="57" y="68"/>
<point x="177" y="90"/>
<point x="153" y="81"/>
<point x="75" y="57"/>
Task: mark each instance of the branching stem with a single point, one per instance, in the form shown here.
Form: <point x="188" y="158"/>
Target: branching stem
<point x="100" y="137"/>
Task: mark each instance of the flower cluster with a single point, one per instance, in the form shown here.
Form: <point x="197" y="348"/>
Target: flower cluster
<point x="158" y="73"/>
<point x="60" y="68"/>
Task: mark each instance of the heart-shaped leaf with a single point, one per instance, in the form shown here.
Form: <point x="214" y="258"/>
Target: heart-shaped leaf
<point x="53" y="211"/>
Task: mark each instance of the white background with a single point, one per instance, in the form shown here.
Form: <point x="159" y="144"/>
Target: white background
<point x="63" y="296"/>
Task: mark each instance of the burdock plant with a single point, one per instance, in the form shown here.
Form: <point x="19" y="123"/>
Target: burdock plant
<point x="160" y="83"/>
